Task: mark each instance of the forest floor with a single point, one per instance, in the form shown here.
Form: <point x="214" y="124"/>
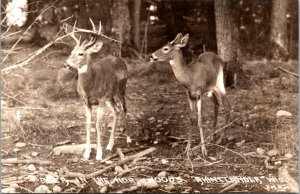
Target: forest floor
<point x="40" y="112"/>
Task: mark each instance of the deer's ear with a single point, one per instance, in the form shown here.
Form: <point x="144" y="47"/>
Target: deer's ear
<point x="177" y="38"/>
<point x="96" y="47"/>
<point x="184" y="40"/>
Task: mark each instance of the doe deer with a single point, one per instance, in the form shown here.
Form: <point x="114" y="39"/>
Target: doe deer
<point x="99" y="81"/>
<point x="199" y="77"/>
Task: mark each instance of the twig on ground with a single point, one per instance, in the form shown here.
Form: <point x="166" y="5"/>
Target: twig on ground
<point x="37" y="145"/>
<point x="287" y="71"/>
<point x="227" y="125"/>
<point x="18" y="161"/>
<point x="12" y="182"/>
<point x="229" y="150"/>
<point x="14" y="98"/>
<point x="116" y="154"/>
<point x="229" y="187"/>
<point x="130" y="189"/>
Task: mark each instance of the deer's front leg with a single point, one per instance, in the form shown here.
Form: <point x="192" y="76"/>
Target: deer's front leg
<point x="113" y="107"/>
<point x="88" y="109"/>
<point x="192" y="103"/>
<point x="100" y="113"/>
<point x="199" y="107"/>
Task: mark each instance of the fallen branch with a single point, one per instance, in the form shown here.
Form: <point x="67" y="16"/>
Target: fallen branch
<point x="116" y="154"/>
<point x="130" y="189"/>
<point x="287" y="71"/>
<point x="25" y="32"/>
<point x="18" y="161"/>
<point x="119" y="163"/>
<point x="13" y="182"/>
<point x="228" y="188"/>
<point x="29" y="58"/>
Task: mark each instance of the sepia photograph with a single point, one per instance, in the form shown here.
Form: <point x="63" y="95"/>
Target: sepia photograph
<point x="149" y="96"/>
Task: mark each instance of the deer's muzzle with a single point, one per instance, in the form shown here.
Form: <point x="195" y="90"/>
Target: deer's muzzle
<point x="153" y="57"/>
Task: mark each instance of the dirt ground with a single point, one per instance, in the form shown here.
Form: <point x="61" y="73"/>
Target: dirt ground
<point x="42" y="111"/>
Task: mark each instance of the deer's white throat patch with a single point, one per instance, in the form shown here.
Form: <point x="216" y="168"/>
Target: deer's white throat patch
<point x="83" y="69"/>
<point x="172" y="62"/>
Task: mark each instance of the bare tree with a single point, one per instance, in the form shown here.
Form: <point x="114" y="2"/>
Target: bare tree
<point x="278" y="34"/>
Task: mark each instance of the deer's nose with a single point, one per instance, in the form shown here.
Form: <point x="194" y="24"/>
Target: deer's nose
<point x="153" y="57"/>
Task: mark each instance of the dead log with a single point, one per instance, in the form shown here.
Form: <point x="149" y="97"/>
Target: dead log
<point x="18" y="161"/>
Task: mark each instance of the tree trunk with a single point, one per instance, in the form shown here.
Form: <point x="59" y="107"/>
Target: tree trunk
<point x="82" y="19"/>
<point x="121" y="21"/>
<point x="278" y="34"/>
<point x="136" y="24"/>
<point x="227" y="40"/>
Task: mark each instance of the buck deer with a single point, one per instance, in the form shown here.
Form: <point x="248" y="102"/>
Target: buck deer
<point x="99" y="81"/>
<point x="200" y="77"/>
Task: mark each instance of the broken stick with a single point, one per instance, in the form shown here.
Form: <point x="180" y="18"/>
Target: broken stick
<point x="119" y="163"/>
<point x="287" y="71"/>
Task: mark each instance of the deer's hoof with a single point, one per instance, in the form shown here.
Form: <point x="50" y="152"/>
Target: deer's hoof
<point x="204" y="151"/>
<point x="99" y="156"/>
<point x="86" y="154"/>
<point x="109" y="147"/>
<point x="128" y="140"/>
<point x="187" y="148"/>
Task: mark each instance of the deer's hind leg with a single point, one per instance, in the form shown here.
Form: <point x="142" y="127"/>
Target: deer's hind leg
<point x="121" y="96"/>
<point x="113" y="107"/>
<point x="219" y="97"/>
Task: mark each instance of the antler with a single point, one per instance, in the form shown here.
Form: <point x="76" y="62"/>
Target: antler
<point x="94" y="28"/>
<point x="89" y="43"/>
<point x="72" y="34"/>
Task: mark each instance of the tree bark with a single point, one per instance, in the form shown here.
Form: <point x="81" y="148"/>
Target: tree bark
<point x="121" y="22"/>
<point x="278" y="35"/>
<point x="136" y="23"/>
<point x="82" y="18"/>
<point x="227" y="40"/>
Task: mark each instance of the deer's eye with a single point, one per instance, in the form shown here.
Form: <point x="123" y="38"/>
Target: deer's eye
<point x="165" y="49"/>
<point x="80" y="54"/>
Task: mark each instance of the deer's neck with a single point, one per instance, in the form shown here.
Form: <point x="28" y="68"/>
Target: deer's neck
<point x="85" y="77"/>
<point x="180" y="68"/>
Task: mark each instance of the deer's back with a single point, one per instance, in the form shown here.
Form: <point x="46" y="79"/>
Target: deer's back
<point x="205" y="71"/>
<point x="113" y="65"/>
